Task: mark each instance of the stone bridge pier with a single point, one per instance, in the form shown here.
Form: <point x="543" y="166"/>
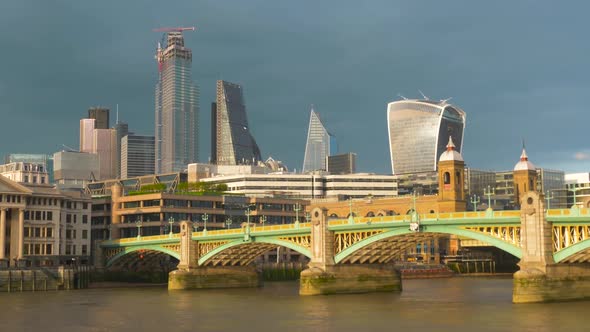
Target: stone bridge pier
<point x="192" y="276"/>
<point x="325" y="277"/>
<point x="540" y="279"/>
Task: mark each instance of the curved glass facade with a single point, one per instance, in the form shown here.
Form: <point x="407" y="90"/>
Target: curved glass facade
<point x="419" y="131"/>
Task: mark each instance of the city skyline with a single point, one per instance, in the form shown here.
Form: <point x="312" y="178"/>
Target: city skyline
<point x="507" y="78"/>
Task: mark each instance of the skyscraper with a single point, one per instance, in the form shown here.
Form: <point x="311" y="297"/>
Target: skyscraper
<point x="232" y="143"/>
<point x="101" y="115"/>
<point x="105" y="145"/>
<point x="121" y="129"/>
<point x="137" y="156"/>
<point x="320" y="144"/>
<point x="87" y="134"/>
<point x="177" y="106"/>
<point x="419" y="131"/>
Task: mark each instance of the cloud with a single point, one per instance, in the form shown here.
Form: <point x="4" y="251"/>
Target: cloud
<point x="582" y="156"/>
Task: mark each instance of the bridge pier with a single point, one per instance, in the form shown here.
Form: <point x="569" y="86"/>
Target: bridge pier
<point x="192" y="276"/>
<point x="325" y="277"/>
<point x="540" y="279"/>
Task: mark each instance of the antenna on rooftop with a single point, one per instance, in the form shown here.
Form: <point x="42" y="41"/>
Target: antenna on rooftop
<point x="423" y="95"/>
<point x="400" y="95"/>
<point x="117" y="114"/>
<point x="446" y="100"/>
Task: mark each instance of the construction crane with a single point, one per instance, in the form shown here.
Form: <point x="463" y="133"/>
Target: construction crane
<point x="160" y="49"/>
<point x="179" y="29"/>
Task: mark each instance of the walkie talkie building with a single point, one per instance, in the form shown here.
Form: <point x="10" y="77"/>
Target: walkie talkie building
<point x="419" y="131"/>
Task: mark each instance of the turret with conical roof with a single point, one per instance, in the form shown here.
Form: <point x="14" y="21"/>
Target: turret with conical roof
<point x="451" y="175"/>
<point x="525" y="177"/>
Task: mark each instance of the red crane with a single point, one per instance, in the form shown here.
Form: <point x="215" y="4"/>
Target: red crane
<point x="179" y="29"/>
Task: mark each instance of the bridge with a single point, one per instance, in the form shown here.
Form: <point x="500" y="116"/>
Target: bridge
<point x="352" y="255"/>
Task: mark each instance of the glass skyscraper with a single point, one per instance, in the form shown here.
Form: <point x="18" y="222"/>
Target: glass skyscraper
<point x="419" y="131"/>
<point x="320" y="144"/>
<point x="177" y="107"/>
<point x="232" y="143"/>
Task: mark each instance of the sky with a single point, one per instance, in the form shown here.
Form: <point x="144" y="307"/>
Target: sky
<point x="519" y="69"/>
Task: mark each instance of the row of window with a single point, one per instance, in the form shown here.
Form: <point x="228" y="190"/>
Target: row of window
<point x="38" y="249"/>
<point x="71" y="250"/>
<point x="39" y="215"/>
<point x="38" y="232"/>
<point x="71" y="234"/>
<point x="10" y="198"/>
<point x="73" y="218"/>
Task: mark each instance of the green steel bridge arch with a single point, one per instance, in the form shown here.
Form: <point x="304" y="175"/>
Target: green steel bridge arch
<point x="240" y="242"/>
<point x="434" y="229"/>
<point x="572" y="250"/>
<point x="151" y="247"/>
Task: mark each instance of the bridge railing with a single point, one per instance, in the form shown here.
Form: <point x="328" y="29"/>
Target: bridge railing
<point x="255" y="228"/>
<point x="142" y="239"/>
<point x="578" y="212"/>
<point x="431" y="216"/>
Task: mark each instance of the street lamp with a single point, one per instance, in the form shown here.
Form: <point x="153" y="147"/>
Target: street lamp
<point x="228" y="222"/>
<point x="574" y="190"/>
<point x="262" y="220"/>
<point x="205" y="217"/>
<point x="297" y="208"/>
<point x="110" y="227"/>
<point x="549" y="197"/>
<point x="247" y="234"/>
<point x="171" y="222"/>
<point x="307" y="217"/>
<point x="475" y="200"/>
<point x="489" y="192"/>
<point x="138" y="223"/>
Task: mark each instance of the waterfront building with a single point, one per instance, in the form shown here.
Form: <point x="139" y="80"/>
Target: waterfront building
<point x="22" y="172"/>
<point x="418" y="133"/>
<point x="577" y="190"/>
<point x="39" y="159"/>
<point x="177" y="106"/>
<point x="75" y="169"/>
<point x="42" y="226"/>
<point x="101" y="117"/>
<point x="341" y="163"/>
<point x="137" y="156"/>
<point x="319" y="145"/>
<point x="232" y="142"/>
<point x="307" y="186"/>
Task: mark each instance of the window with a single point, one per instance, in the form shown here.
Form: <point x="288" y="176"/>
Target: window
<point x="26" y="249"/>
<point x="49" y="215"/>
<point x="84" y="219"/>
<point x="48" y="249"/>
<point x="74" y="234"/>
<point x="37" y="231"/>
<point x="85" y="206"/>
<point x="37" y="249"/>
<point x="68" y="249"/>
<point x="446" y="178"/>
<point x="68" y="218"/>
<point x="42" y="179"/>
<point x="26" y="232"/>
<point x="68" y="234"/>
<point x="34" y="179"/>
<point x="37" y="215"/>
<point x="84" y="249"/>
<point x="49" y="232"/>
<point x="26" y="179"/>
<point x="75" y="218"/>
<point x="84" y="234"/>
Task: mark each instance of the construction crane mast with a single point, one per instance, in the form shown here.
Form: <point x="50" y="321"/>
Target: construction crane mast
<point x="160" y="49"/>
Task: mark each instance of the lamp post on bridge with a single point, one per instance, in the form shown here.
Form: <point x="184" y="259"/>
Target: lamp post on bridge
<point x="171" y="222"/>
<point x="297" y="208"/>
<point x="228" y="222"/>
<point x="549" y="196"/>
<point x="350" y="214"/>
<point x="489" y="192"/>
<point x="138" y="224"/>
<point x="475" y="200"/>
<point x="205" y="217"/>
<point x="262" y="220"/>
<point x="574" y="190"/>
<point x="247" y="230"/>
<point x="110" y="227"/>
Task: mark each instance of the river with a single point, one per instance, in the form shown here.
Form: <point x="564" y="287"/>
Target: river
<point x="451" y="304"/>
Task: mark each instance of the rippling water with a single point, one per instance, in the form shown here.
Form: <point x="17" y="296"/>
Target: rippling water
<point x="454" y="304"/>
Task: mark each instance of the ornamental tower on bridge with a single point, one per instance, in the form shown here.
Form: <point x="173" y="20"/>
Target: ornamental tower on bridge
<point x="451" y="179"/>
<point x="525" y="177"/>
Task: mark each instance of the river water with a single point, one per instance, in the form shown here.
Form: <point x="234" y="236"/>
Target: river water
<point x="451" y="304"/>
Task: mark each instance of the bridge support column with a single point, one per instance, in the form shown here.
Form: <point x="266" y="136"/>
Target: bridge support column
<point x="540" y="279"/>
<point x="325" y="277"/>
<point x="192" y="276"/>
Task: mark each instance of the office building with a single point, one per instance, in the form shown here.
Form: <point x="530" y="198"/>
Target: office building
<point x="87" y="127"/>
<point x="577" y="190"/>
<point x="105" y="146"/>
<point x="73" y="169"/>
<point x="319" y="145"/>
<point x="121" y="130"/>
<point x="232" y="142"/>
<point x="177" y="107"/>
<point x="42" y="226"/>
<point x="419" y="131"/>
<point x="342" y="163"/>
<point x="101" y="117"/>
<point x="39" y="159"/>
<point x="137" y="156"/>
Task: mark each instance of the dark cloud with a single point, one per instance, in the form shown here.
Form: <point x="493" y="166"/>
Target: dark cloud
<point x="519" y="70"/>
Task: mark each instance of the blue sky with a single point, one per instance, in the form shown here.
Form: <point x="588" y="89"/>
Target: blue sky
<point x="519" y="69"/>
